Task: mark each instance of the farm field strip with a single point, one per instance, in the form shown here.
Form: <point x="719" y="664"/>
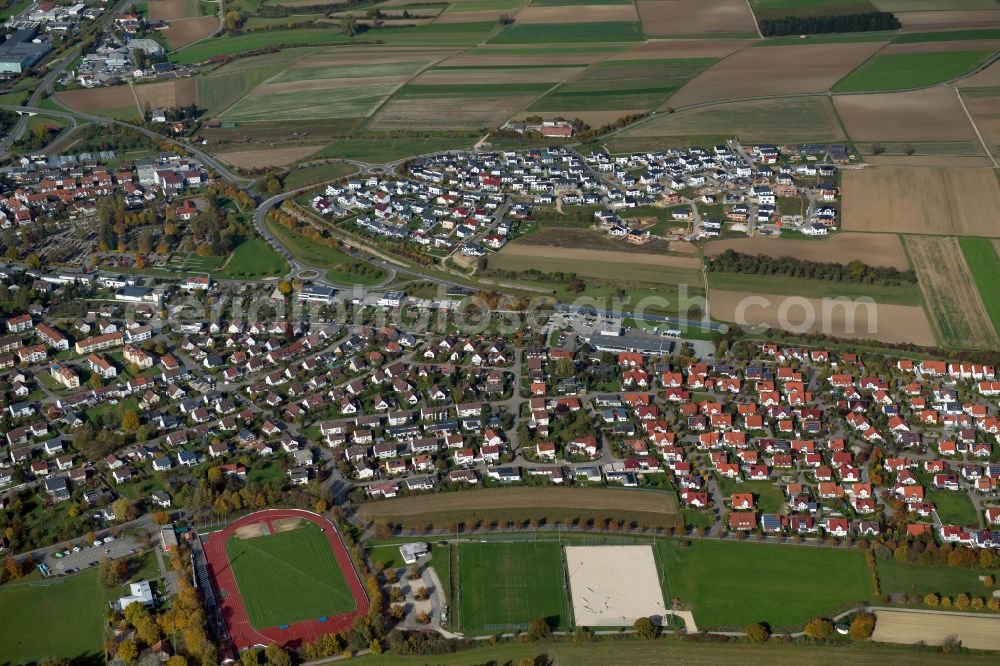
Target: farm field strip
<point x="792" y="119"/>
<point x="921" y="200"/>
<point x="909" y="70"/>
<point x="843" y="248"/>
<point x="983" y="258"/>
<point x="953" y="302"/>
<point x="851" y="320"/>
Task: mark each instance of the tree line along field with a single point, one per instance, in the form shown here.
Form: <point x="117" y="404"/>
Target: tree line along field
<point x="654" y="653"/>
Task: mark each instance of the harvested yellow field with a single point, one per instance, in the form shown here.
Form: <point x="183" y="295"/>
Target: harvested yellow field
<point x="949" y="290"/>
<point x="976" y="631"/>
<point x="922" y="200"/>
<point x="842" y="319"/>
<point x="843" y="248"/>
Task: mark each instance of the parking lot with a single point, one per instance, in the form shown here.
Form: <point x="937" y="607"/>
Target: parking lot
<point x="91" y="555"/>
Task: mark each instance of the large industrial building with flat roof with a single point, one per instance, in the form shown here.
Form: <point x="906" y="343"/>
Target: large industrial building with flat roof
<point x="19" y="52"/>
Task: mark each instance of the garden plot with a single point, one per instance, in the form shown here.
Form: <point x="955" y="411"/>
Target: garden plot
<point x="775" y="70"/>
<point x="613" y="586"/>
<point x="695" y="17"/>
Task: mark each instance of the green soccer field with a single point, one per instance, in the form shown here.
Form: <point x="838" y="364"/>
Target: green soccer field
<point x="289" y="577"/>
<point x="503" y="584"/>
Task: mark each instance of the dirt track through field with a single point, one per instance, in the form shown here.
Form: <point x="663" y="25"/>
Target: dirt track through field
<point x="978" y="632"/>
<point x="934" y="114"/>
<point x="520" y="498"/>
<point x="950" y="292"/>
<point x="842" y="248"/>
<point x="775" y="70"/>
<point x="888" y="323"/>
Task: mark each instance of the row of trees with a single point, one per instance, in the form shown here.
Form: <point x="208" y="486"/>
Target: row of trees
<point x="856" y="271"/>
<point x="815" y="25"/>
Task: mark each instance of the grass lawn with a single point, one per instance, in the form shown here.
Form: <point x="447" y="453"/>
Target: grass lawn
<point x="316" y="174"/>
<point x="898" y="71"/>
<point x="793" y="286"/>
<point x="93" y="413"/>
<point x="698" y="518"/>
<point x="918" y="580"/>
<point x="509" y="584"/>
<point x="672" y="651"/>
<point x="733" y="584"/>
<point x="767" y="495"/>
<point x="954" y="508"/>
<point x="289" y="577"/>
<point x="30" y="610"/>
<point x="981" y="256"/>
<point x="342" y="268"/>
<point x="251" y="260"/>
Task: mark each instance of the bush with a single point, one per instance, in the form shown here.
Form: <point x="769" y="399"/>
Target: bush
<point x="819" y="628"/>
<point x="757" y="633"/>
<point x="645" y="629"/>
<point x="863" y="626"/>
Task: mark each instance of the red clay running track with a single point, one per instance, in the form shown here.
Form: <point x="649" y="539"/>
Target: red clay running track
<point x="241" y="633"/>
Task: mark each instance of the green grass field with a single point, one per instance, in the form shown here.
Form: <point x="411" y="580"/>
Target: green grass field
<point x="289" y="577"/>
<point x="342" y="268"/>
<point x="252" y="41"/>
<point x="252" y="260"/>
<point x="776" y="9"/>
<point x="918" y="580"/>
<point x="570" y="33"/>
<point x="779" y="284"/>
<point x="510" y="584"/>
<point x="900" y="71"/>
<point x="316" y="174"/>
<point x="948" y="36"/>
<point x="351" y="102"/>
<point x="981" y="256"/>
<point x="30" y="611"/>
<point x="954" y="508"/>
<point x="768" y="496"/>
<point x="733" y="584"/>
